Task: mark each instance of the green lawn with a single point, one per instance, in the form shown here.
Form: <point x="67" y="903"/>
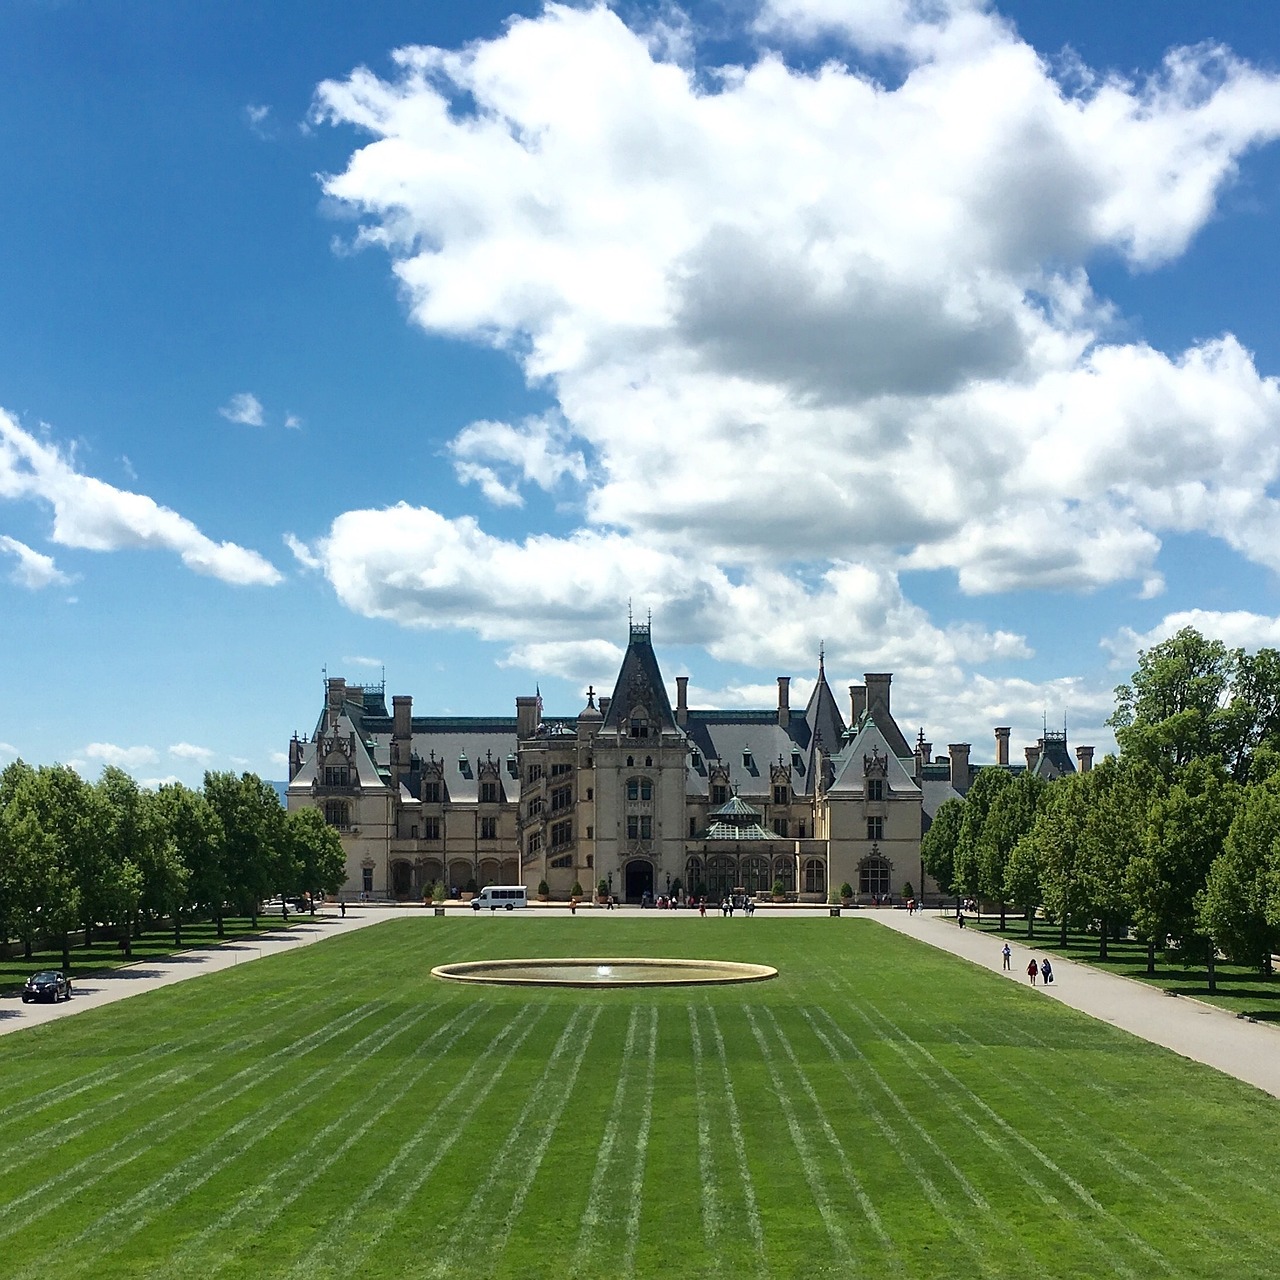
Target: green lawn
<point x="878" y="1110"/>
<point x="1241" y="988"/>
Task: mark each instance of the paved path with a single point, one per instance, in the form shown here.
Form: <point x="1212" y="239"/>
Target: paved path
<point x="1249" y="1051"/>
<point x="146" y="975"/>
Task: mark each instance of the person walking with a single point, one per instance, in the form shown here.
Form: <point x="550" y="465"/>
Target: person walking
<point x="1032" y="970"/>
<point x="342" y="906"/>
<point x="1046" y="971"/>
<point x="1007" y="953"/>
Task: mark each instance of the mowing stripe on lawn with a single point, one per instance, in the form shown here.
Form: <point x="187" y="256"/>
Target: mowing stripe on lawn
<point x="978" y="1249"/>
<point x="1013" y="1136"/>
<point x="1228" y="1236"/>
<point x="710" y="1198"/>
<point x="38" y="1145"/>
<point x="129" y="1217"/>
<point x="642" y="1148"/>
<point x="60" y="1094"/>
<point x="998" y="1146"/>
<point x="754" y="1225"/>
<point x="833" y="1139"/>
<point x="498" y="1241"/>
<point x="592" y="1213"/>
<point x="171" y="1122"/>
<point x="808" y="1162"/>
<point x="511" y="1156"/>
<point x="349" y="1263"/>
<point x="306" y="1156"/>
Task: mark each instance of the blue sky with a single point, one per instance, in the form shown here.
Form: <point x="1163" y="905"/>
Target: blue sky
<point x="940" y="335"/>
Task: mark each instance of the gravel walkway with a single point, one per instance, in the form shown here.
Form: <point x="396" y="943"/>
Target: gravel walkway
<point x="1247" y="1050"/>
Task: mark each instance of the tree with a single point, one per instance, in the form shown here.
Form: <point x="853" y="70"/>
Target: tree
<point x="987" y="785"/>
<point x="45" y="899"/>
<point x="1238" y="909"/>
<point x="1011" y="816"/>
<point x="314" y="852"/>
<point x="69" y="811"/>
<point x="1022" y="879"/>
<point x="1185" y="830"/>
<point x="1059" y="834"/>
<point x="122" y="835"/>
<point x="1175" y="709"/>
<point x="184" y="820"/>
<point x="249" y="838"/>
<point x="938" y="844"/>
<point x="1115" y="821"/>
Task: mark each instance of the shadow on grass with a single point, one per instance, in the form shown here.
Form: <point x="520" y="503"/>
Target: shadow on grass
<point x="105" y="956"/>
<point x="1240" y="989"/>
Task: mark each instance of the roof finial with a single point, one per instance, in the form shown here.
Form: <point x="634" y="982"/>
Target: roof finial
<point x="591" y="695"/>
<point x="630" y="616"/>
<point x="822" y="659"/>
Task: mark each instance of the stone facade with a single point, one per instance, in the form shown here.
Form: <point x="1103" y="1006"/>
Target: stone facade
<point x="629" y="791"/>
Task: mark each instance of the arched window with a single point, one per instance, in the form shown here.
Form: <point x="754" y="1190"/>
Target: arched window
<point x="873" y="876"/>
<point x="784" y="869"/>
<point x="693" y="875"/>
<point x="722" y="876"/>
<point x="755" y="875"/>
<point x="815" y="876"/>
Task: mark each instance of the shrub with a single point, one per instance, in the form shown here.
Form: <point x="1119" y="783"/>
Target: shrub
<point x="779" y="889"/>
<point x="576" y="891"/>
<point x="603" y="887"/>
<point x="846" y="890"/>
<point x="544" y="889"/>
<point x="471" y="886"/>
<point x="438" y="892"/>
<point x="908" y="890"/>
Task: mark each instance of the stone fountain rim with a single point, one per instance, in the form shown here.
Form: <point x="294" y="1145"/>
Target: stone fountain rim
<point x="722" y="972"/>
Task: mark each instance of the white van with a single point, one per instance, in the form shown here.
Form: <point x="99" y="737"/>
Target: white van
<point x="494" y="896"/>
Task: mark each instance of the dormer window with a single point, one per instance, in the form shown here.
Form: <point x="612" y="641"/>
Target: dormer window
<point x="875" y="788"/>
<point x="746" y="758"/>
<point x="463" y="762"/>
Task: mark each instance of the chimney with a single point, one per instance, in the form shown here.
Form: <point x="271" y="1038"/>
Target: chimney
<point x="682" y="700"/>
<point x="1033" y="757"/>
<point x="337" y="695"/>
<point x="402" y="713"/>
<point x="857" y="703"/>
<point x="604" y="706"/>
<point x="527" y="717"/>
<point x="924" y="753"/>
<point x="960" y="772"/>
<point x="878" y="691"/>
<point x="784" y="701"/>
<point x="1002" y="745"/>
<point x="295" y="756"/>
<point x="1084" y="758"/>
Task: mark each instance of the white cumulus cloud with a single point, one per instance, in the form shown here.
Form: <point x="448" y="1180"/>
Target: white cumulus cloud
<point x="805" y="329"/>
<point x="189" y="751"/>
<point x="122" y="757"/>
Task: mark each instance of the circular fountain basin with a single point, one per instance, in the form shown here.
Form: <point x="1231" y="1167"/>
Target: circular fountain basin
<point x="627" y="971"/>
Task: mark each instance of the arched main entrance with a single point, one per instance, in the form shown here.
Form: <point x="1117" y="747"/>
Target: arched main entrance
<point x="401" y="879"/>
<point x="638" y="879"/>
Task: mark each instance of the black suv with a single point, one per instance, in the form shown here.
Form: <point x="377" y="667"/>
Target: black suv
<point x="48" y="984"/>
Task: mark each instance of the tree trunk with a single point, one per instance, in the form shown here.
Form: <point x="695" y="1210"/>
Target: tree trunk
<point x="1151" y="958"/>
<point x="1031" y="922"/>
<point x="177" y="928"/>
<point x="66" y="952"/>
<point x="1213" y="972"/>
<point x="1002" y="912"/>
<point x="1062" y="931"/>
<point x="1102" y="940"/>
<point x="26" y="948"/>
<point x="217" y="915"/>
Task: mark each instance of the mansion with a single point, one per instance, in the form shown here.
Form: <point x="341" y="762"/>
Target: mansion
<point x="634" y="792"/>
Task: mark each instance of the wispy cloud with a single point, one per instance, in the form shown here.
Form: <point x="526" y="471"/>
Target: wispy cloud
<point x="260" y="121"/>
<point x="33" y="570"/>
<point x="246" y="408"/>
<point x="363" y="662"/>
<point x="188" y="751"/>
<point x="95" y="516"/>
<point x="123" y="757"/>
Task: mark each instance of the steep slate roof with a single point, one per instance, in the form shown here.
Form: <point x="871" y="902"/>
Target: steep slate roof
<point x="639" y="682"/>
<point x="849" y="767"/>
<point x="723" y="737"/>
<point x="822" y="716"/>
<point x="363" y="759"/>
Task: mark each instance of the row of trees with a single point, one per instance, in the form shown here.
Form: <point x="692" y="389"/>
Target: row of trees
<point x="1176" y="839"/>
<point x="76" y="855"/>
